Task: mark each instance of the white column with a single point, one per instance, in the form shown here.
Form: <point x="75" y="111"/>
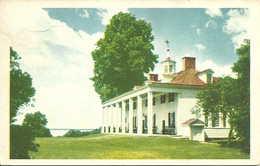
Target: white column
<point x="221" y="119"/>
<point x="227" y="120"/>
<point x="150" y="112"/>
<point x="111" y="118"/>
<point x="139" y="115"/>
<point x="117" y="118"/>
<point x="106" y="118"/>
<point x="209" y="120"/>
<point x="131" y="116"/>
<point x="123" y="117"/>
<point x="103" y="120"/>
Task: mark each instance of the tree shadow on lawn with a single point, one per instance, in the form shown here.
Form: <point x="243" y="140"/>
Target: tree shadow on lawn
<point x="234" y="144"/>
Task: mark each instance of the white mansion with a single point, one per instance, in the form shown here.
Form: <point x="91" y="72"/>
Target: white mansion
<point x="164" y="106"/>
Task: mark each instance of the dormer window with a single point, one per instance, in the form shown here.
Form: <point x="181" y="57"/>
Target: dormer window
<point x="209" y="78"/>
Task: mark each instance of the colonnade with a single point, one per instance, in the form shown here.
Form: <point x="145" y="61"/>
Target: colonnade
<point x="114" y="115"/>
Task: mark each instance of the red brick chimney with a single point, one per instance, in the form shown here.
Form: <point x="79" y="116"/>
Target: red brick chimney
<point x="153" y="77"/>
<point x="188" y="62"/>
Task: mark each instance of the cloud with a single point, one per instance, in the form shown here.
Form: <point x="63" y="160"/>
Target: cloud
<point x="238" y="21"/>
<point x="200" y="47"/>
<point x="107" y="13"/>
<point x="59" y="61"/>
<point x="211" y="23"/>
<point x="219" y="70"/>
<point x="85" y="15"/>
<point x="237" y="25"/>
<point x="213" y="12"/>
<point x="200" y="66"/>
<point x="197" y="29"/>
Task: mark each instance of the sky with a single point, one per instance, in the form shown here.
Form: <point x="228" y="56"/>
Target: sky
<point x="56" y="44"/>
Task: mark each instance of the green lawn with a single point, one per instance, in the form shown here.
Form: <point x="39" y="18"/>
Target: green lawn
<point x="131" y="147"/>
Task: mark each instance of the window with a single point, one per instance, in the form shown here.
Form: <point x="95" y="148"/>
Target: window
<point x="165" y="68"/>
<point x="171" y="119"/>
<point x="145" y="121"/>
<point x="134" y="105"/>
<point x="170" y="69"/>
<point x="154" y="100"/>
<point x="134" y="122"/>
<point x="163" y="97"/>
<point x="171" y="97"/>
<point x="146" y="102"/>
<point x="215" y="120"/>
<point x="127" y="107"/>
<point x="154" y="120"/>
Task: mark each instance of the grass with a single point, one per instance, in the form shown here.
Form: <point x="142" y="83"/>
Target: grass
<point x="131" y="147"/>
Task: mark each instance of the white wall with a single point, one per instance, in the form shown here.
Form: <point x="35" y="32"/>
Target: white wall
<point x="162" y="110"/>
<point x="203" y="77"/>
<point x="187" y="101"/>
<point x="186" y="131"/>
<point x="216" y="132"/>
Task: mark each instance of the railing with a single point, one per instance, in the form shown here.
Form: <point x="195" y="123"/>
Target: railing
<point x="145" y="130"/>
<point x="135" y="130"/>
<point x="168" y="130"/>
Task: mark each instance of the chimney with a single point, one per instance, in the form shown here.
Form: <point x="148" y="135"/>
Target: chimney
<point x="153" y="77"/>
<point x="188" y="62"/>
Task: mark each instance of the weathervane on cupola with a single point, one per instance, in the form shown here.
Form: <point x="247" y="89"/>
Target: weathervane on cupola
<point x="168" y="66"/>
<point x="168" y="49"/>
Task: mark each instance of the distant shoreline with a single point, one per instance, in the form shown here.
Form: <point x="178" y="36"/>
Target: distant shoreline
<point x="73" y="129"/>
<point x="61" y="132"/>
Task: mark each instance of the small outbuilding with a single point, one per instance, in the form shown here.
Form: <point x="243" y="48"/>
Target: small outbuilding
<point x="195" y="129"/>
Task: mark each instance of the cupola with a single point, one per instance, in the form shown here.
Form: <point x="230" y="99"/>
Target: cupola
<point x="168" y="66"/>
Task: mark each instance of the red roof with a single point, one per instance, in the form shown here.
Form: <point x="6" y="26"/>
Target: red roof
<point x="188" y="77"/>
<point x="189" y="121"/>
<point x="137" y="87"/>
<point x="203" y="71"/>
<point x="170" y="75"/>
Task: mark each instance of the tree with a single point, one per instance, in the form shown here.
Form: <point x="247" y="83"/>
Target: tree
<point x="78" y="133"/>
<point x="21" y="92"/>
<point x="123" y="56"/>
<point x="37" y="123"/>
<point x="231" y="96"/>
<point x="75" y="133"/>
<point x="241" y="120"/>
<point x="21" y="141"/>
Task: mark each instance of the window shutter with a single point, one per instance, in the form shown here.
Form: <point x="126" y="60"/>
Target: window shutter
<point x="171" y="97"/>
<point x="136" y="121"/>
<point x="173" y="119"/>
<point x="169" y="119"/>
<point x="145" y="121"/>
<point x="154" y="120"/>
<point x="133" y="122"/>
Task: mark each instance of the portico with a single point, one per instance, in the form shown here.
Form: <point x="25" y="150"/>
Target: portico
<point x="128" y="110"/>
